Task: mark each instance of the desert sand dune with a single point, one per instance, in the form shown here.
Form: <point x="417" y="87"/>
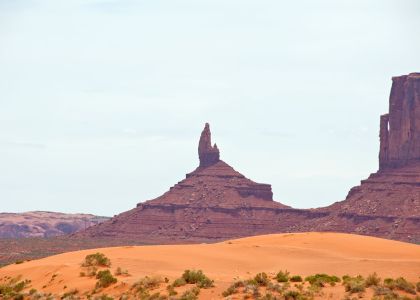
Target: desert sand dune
<point x="299" y="253"/>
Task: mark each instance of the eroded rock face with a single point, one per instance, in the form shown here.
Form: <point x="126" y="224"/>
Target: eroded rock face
<point x="400" y="129"/>
<point x="212" y="202"/>
<point x="216" y="202"/>
<point x="207" y="153"/>
<point x="387" y="204"/>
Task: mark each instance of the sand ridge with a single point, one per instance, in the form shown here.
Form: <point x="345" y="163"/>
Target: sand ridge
<point x="300" y="253"/>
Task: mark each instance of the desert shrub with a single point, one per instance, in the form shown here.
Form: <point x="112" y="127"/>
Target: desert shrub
<point x="372" y="280"/>
<point x="403" y="285"/>
<point x="103" y="297"/>
<point x="179" y="282"/>
<point x="229" y="291"/>
<point x="389" y="283"/>
<point x="70" y="294"/>
<point x="105" y="279"/>
<point x="147" y="283"/>
<point x="384" y="291"/>
<point x="32" y="291"/>
<point x="171" y="290"/>
<point x="251" y="288"/>
<point x="121" y="272"/>
<point x="18" y="262"/>
<point x="261" y="279"/>
<point x="191" y="294"/>
<point x="96" y="259"/>
<point x="268" y="296"/>
<point x="13" y="287"/>
<point x="292" y="295"/>
<point x="155" y="296"/>
<point x="233" y="288"/>
<point x="296" y="278"/>
<point x="198" y="278"/>
<point x="322" y="279"/>
<point x="279" y="288"/>
<point x="82" y="274"/>
<point x="354" y="284"/>
<point x="418" y="286"/>
<point x="282" y="276"/>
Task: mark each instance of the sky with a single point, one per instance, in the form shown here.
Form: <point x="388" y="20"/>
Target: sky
<point x="102" y="101"/>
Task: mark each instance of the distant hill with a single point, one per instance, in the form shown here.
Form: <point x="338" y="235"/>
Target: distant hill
<point x="44" y="224"/>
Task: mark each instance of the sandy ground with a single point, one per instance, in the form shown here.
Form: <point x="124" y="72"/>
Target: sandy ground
<point x="300" y="253"/>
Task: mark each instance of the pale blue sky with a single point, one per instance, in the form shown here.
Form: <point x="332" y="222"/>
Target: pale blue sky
<point x="102" y="101"/>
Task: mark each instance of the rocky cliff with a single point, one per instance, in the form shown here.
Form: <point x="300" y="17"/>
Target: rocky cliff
<point x="212" y="202"/>
<point x="216" y="202"/>
<point x="400" y="129"/>
<point x="387" y="204"/>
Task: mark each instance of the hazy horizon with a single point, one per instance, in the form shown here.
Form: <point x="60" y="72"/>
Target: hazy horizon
<point x="102" y="101"/>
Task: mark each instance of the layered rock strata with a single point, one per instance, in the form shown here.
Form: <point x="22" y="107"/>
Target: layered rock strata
<point x="400" y="129"/>
<point x="216" y="202"/>
<point x="212" y="202"/>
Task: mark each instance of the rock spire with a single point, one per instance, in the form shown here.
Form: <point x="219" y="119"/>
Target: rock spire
<point x="207" y="153"/>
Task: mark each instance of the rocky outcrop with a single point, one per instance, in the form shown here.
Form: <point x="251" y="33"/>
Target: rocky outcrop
<point x="207" y="154"/>
<point x="387" y="204"/>
<point x="400" y="129"/>
<point x="216" y="202"/>
<point x="44" y="224"/>
<point x="212" y="202"/>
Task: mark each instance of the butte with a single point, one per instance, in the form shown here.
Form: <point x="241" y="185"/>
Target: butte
<point x="213" y="202"/>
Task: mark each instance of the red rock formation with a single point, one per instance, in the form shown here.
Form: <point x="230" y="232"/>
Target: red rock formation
<point x="212" y="202"/>
<point x="215" y="202"/>
<point x="387" y="204"/>
<point x="207" y="154"/>
<point x="400" y="129"/>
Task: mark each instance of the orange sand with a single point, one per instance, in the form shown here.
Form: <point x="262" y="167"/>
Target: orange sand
<point x="300" y="253"/>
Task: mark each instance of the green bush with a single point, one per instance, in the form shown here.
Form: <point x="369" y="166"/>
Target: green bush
<point x="372" y="280"/>
<point x="13" y="287"/>
<point x="191" y="294"/>
<point x="198" y="278"/>
<point x="261" y="279"/>
<point x="104" y="297"/>
<point x="292" y="295"/>
<point x="355" y="284"/>
<point x="233" y="288"/>
<point x="105" y="279"/>
<point x="171" y="290"/>
<point x="382" y="291"/>
<point x="322" y="279"/>
<point x="282" y="276"/>
<point x="389" y="283"/>
<point x="96" y="259"/>
<point x="121" y="272"/>
<point x="70" y="294"/>
<point x="296" y="278"/>
<point x="147" y="283"/>
<point x="403" y="285"/>
<point x="229" y="291"/>
<point x="179" y="282"/>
